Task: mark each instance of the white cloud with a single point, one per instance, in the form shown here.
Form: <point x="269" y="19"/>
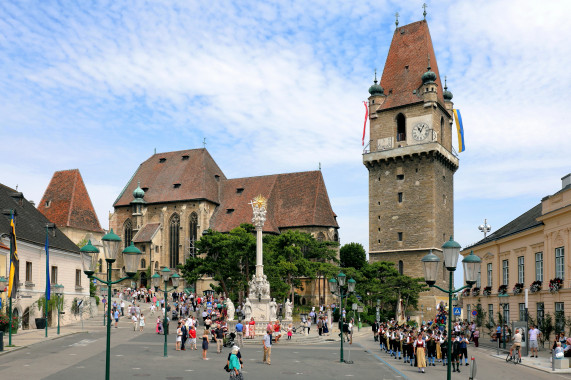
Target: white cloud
<point x="278" y="85"/>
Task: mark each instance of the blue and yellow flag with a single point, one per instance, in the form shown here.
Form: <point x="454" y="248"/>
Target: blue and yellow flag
<point x="460" y="129"/>
<point x="14" y="262"/>
<point x="48" y="289"/>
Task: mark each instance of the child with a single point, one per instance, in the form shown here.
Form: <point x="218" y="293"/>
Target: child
<point x="289" y="331"/>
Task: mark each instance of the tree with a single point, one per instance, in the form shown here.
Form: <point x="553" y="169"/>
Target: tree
<point x="480" y="314"/>
<point x="352" y="255"/>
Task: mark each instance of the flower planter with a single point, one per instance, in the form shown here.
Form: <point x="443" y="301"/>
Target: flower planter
<point x="40" y="323"/>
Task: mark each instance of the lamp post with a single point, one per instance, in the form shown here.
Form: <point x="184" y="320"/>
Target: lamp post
<point x="338" y="288"/>
<point x="166" y="274"/>
<point x="58" y="290"/>
<point x="431" y="264"/>
<point x="89" y="254"/>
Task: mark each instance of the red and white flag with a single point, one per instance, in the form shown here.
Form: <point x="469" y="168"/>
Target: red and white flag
<point x="365" y="124"/>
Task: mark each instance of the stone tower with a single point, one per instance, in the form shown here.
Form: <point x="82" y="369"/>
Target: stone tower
<point x="409" y="158"/>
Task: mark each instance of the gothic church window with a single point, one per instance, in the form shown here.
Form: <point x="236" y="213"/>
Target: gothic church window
<point x="143" y="263"/>
<point x="128" y="232"/>
<point x="193" y="231"/>
<point x="401" y="127"/>
<point x="174" y="239"/>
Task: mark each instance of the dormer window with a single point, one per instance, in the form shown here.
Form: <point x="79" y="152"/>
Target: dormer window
<point x="48" y="203"/>
<point x="216" y="177"/>
<point x="229" y="210"/>
<point x="185" y="157"/>
<point x="176" y="185"/>
<point x="239" y="190"/>
<point x="145" y="189"/>
<point x="162" y="160"/>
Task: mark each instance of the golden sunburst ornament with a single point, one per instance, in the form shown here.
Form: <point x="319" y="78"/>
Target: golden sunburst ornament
<point x="260" y="201"/>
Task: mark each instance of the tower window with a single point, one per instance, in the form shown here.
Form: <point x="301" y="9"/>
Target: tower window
<point x="400" y="236"/>
<point x="442" y="129"/>
<point x="400" y="197"/>
<point x="401" y="127"/>
<point x="401" y="267"/>
<point x="400" y="177"/>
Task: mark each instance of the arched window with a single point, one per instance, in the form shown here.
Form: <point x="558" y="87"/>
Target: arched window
<point x="401" y="267"/>
<point x="442" y="129"/>
<point x="401" y="127"/>
<point x="193" y="231"/>
<point x="174" y="238"/>
<point x="128" y="232"/>
<point x="143" y="263"/>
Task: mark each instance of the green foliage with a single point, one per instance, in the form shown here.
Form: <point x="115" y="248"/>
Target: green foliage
<point x="546" y="327"/>
<point x="92" y="288"/>
<point x="4" y="323"/>
<point x="96" y="300"/>
<point x="82" y="243"/>
<point x="52" y="303"/>
<point x="75" y="306"/>
<point x="481" y="314"/>
<point x="352" y="255"/>
<point x="381" y="280"/>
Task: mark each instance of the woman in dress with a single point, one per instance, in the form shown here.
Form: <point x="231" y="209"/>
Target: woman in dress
<point x="252" y="328"/>
<point x="204" y="344"/>
<point x="178" y="337"/>
<point x="141" y="322"/>
<point x="420" y="350"/>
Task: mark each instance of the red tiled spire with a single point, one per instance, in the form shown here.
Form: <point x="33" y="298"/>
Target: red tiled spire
<point x="406" y="62"/>
<point x="66" y="202"/>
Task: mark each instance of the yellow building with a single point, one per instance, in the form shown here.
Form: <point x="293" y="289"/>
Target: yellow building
<point x="528" y="251"/>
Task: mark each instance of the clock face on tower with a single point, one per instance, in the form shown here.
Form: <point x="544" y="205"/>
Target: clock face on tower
<point x="420" y="131"/>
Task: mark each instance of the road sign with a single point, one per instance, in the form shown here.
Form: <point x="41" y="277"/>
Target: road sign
<point x="457" y="311"/>
<point x="474" y="313"/>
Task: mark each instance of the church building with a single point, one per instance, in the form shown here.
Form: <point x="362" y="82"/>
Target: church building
<point x="410" y="159"/>
<point x="174" y="196"/>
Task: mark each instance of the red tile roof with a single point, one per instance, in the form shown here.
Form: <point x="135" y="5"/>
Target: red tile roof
<point x="193" y="169"/>
<point x="67" y="204"/>
<point x="411" y="46"/>
<point x="294" y="200"/>
<point x="146" y="233"/>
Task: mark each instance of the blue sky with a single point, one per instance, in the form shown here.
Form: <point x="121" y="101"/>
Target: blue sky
<point x="277" y="87"/>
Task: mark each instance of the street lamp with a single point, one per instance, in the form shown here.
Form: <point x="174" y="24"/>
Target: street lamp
<point x="166" y="274"/>
<point x="58" y="290"/>
<point x="49" y="226"/>
<point x="431" y="264"/>
<point x="111" y="243"/>
<point x="337" y="287"/>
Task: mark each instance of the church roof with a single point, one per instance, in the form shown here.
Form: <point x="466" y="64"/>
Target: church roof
<point x="67" y="204"/>
<point x="523" y="222"/>
<point x="30" y="223"/>
<point x="146" y="233"/>
<point x="175" y="176"/>
<point x="294" y="200"/>
<point x="406" y="62"/>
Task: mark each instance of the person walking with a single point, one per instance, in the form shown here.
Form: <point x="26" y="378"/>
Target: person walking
<point x="240" y="333"/>
<point x="234" y="365"/>
<point x="141" y="322"/>
<point x="267" y="342"/>
<point x="477" y="337"/>
<point x="135" y="322"/>
<point x="122" y="308"/>
<point x="184" y="330"/>
<point x="219" y="338"/>
<point x="192" y="337"/>
<point x="116" y="316"/>
<point x="420" y="350"/>
<point x="204" y="344"/>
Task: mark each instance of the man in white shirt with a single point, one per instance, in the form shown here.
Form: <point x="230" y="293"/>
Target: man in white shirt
<point x="534" y="334"/>
<point x="517" y="343"/>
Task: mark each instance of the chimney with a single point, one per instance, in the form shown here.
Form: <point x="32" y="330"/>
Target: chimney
<point x="566" y="181"/>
